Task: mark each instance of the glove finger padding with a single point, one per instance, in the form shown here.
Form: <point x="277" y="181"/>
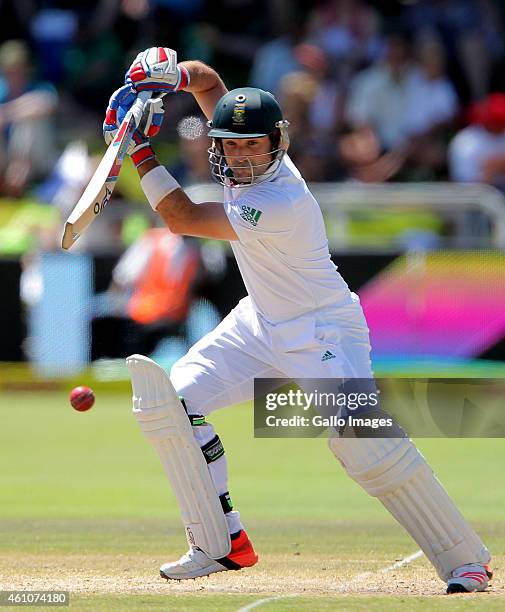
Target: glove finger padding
<point x="156" y="69"/>
<point x="119" y="104"/>
<point x="152" y="117"/>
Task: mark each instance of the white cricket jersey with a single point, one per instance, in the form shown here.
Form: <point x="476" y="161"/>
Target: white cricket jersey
<point x="282" y="249"/>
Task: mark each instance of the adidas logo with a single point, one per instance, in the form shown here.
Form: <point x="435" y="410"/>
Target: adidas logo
<point x="251" y="215"/>
<point x="328" y="355"/>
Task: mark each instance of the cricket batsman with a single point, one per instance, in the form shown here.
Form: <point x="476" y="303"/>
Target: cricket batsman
<point x="299" y="320"/>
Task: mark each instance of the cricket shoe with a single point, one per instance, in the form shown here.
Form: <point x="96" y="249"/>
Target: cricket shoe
<point x="196" y="563"/>
<point x="469" y="578"/>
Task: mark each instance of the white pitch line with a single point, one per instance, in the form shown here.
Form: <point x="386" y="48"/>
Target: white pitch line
<point x="409" y="559"/>
<point x="260" y="602"/>
<point x="389" y="568"/>
<point x="384" y="570"/>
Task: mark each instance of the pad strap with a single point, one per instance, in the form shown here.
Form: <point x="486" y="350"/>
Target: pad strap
<point x="194" y="419"/>
<point x="226" y="502"/>
<point x="213" y="449"/>
<point x="197" y="420"/>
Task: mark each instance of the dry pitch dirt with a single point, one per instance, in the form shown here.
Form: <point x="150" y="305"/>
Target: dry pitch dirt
<point x="279" y="575"/>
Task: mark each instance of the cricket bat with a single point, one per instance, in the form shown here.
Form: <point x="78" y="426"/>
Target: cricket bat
<point x="97" y="194"/>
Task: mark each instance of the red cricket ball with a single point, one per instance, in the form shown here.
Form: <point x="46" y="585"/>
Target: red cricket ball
<point x="82" y="398"/>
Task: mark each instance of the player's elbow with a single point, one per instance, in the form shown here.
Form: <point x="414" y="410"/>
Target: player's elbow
<point x="175" y="225"/>
<point x="177" y="211"/>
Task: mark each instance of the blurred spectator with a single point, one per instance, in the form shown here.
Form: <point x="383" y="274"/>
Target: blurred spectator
<point x="68" y="178"/>
<point x="53" y="31"/>
<point x="149" y="297"/>
<point x="297" y="93"/>
<point x="276" y="58"/>
<point x="379" y="95"/>
<point x="399" y="111"/>
<point x="94" y="66"/>
<point x="477" y="153"/>
<point x="176" y="24"/>
<point x="472" y="34"/>
<point x="375" y="112"/>
<point x="326" y="108"/>
<point x="432" y="99"/>
<point x="432" y="107"/>
<point x="229" y="35"/>
<point x="348" y="32"/>
<point x="313" y="104"/>
<point x="26" y="132"/>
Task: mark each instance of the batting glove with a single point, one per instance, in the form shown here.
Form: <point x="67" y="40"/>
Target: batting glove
<point x="156" y="69"/>
<point x="122" y="99"/>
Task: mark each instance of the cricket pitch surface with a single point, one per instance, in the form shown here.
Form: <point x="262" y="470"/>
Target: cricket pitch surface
<point x="87" y="509"/>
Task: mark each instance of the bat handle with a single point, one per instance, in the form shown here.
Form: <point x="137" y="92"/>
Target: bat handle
<point x="137" y="108"/>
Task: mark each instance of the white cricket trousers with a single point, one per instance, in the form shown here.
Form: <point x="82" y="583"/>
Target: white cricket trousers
<point x="220" y="369"/>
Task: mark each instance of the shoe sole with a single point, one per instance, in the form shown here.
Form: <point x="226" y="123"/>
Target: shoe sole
<point x="163" y="575"/>
<point x="456" y="587"/>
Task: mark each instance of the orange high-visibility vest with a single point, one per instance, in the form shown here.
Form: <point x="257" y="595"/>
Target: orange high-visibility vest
<point x="163" y="291"/>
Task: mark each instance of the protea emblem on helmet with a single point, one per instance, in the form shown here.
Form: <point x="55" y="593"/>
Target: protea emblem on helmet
<point x="239" y="114"/>
<point x="251" y="113"/>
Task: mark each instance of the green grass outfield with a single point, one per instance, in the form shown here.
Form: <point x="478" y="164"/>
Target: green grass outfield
<point x="85" y="507"/>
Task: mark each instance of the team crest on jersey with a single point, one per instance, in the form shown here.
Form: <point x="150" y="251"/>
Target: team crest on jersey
<point x="251" y="215"/>
<point x="239" y="113"/>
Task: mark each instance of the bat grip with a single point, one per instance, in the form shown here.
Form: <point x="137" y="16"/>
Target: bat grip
<point x="137" y="109"/>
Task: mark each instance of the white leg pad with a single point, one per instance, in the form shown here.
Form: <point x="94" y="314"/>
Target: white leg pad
<point x="394" y="471"/>
<point x="165" y="424"/>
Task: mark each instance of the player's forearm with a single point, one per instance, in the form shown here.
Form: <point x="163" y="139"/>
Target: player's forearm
<point x="147" y="166"/>
<point x="205" y="85"/>
<point x="174" y="208"/>
<point x="180" y="214"/>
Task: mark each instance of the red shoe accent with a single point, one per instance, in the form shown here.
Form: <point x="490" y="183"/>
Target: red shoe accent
<point x="242" y="552"/>
<point x="489" y="571"/>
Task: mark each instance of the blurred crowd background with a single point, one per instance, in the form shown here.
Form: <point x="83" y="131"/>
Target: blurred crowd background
<point x="376" y="92"/>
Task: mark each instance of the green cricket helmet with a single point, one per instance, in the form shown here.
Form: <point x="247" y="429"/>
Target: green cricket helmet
<point x="246" y="112"/>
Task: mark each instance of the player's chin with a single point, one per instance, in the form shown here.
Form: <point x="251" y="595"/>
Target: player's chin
<point x="245" y="175"/>
<point x="242" y="176"/>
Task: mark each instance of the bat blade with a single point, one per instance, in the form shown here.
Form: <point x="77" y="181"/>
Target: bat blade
<point x="97" y="194"/>
<point x="95" y="198"/>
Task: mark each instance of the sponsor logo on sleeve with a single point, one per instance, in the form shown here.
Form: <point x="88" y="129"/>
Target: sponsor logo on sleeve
<point x="251" y="215"/>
